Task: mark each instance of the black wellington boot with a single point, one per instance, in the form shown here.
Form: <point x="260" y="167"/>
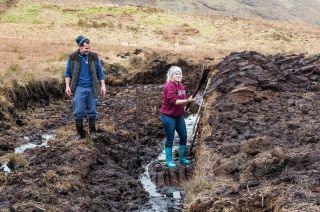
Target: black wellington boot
<point x="92" y="129"/>
<point x="79" y="127"/>
<point x="92" y="125"/>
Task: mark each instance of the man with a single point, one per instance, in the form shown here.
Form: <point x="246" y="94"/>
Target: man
<point x="84" y="79"/>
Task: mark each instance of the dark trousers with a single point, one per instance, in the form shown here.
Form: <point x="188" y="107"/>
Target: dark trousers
<point x="172" y="124"/>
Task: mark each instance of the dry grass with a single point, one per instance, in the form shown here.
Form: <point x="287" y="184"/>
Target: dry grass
<point x="51" y="176"/>
<point x="63" y="133"/>
<point x="39" y="49"/>
<point x="4" y="102"/>
<point x="203" y="180"/>
<point x="200" y="184"/>
<point x="16" y="160"/>
<point x="109" y="127"/>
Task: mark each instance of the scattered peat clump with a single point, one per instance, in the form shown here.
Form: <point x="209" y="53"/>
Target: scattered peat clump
<point x="263" y="134"/>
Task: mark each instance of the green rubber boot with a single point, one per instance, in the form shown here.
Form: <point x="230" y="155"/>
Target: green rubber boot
<point x="169" y="162"/>
<point x="182" y="155"/>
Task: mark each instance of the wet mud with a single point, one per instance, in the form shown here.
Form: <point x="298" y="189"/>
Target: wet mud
<point x="264" y="134"/>
<point x="94" y="174"/>
<point x="98" y="173"/>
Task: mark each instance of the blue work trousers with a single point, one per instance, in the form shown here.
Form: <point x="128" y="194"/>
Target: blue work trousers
<point x="84" y="101"/>
<point x="172" y="124"/>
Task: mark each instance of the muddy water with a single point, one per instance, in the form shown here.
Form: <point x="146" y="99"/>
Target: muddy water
<point x="31" y="145"/>
<point x="28" y="144"/>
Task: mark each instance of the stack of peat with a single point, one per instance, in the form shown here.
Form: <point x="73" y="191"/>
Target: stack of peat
<point x="265" y="138"/>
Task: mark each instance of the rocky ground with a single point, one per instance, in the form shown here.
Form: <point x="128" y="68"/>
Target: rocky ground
<point x="263" y="134"/>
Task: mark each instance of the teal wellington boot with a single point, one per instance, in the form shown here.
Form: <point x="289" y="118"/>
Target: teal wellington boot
<point x="182" y="155"/>
<point x="169" y="162"/>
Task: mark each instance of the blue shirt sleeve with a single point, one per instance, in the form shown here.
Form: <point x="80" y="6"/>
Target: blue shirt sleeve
<point x="99" y="70"/>
<point x="67" y="73"/>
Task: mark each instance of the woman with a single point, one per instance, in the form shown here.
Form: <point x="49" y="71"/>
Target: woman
<point x="174" y="99"/>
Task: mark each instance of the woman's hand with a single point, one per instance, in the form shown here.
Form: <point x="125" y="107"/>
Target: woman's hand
<point x="184" y="101"/>
<point x="190" y="99"/>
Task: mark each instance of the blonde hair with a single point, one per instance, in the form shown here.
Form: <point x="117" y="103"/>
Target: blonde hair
<point x="173" y="70"/>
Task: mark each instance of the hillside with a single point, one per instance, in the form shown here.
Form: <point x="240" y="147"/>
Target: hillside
<point x="285" y="10"/>
<point x="53" y="24"/>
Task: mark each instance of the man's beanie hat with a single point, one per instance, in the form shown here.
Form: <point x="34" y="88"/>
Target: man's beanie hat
<point x="81" y="39"/>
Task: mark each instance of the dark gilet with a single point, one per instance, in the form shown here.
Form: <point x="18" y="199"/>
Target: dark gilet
<point x="75" y="71"/>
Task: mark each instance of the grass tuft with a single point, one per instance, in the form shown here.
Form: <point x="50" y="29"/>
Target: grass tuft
<point x="119" y="68"/>
<point x="277" y="36"/>
<point x="21" y="57"/>
<point x="17" y="160"/>
<point x="135" y="61"/>
<point x="95" y="24"/>
<point x="199" y="184"/>
<point x="13" y="69"/>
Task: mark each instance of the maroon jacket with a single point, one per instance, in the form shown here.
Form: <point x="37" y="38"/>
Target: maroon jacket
<point x="171" y="92"/>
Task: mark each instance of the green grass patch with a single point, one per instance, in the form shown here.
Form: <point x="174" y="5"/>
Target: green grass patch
<point x="160" y="19"/>
<point x="23" y="13"/>
<point x="115" y="11"/>
<point x="144" y="16"/>
<point x="206" y="30"/>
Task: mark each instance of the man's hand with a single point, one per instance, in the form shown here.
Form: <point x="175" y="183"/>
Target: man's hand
<point x="68" y="91"/>
<point x="103" y="90"/>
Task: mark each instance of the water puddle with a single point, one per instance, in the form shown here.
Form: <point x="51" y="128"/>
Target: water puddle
<point x="157" y="201"/>
<point x="29" y="145"/>
<point x="5" y="168"/>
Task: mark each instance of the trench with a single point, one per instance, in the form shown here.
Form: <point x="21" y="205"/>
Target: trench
<point x="160" y="187"/>
<point x="99" y="174"/>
